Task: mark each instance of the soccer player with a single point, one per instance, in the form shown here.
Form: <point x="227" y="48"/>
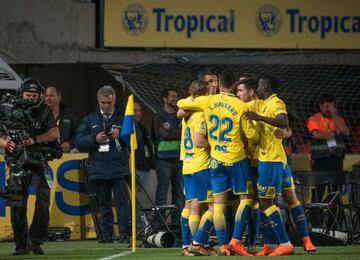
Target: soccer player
<point x="246" y="91"/>
<point x="195" y="157"/>
<point x="271" y="159"/>
<point x="229" y="168"/>
<point x="210" y="76"/>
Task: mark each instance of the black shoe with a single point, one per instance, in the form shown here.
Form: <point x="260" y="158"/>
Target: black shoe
<point x="21" y="251"/>
<point x="36" y="249"/>
<point x="124" y="238"/>
<point x="106" y="241"/>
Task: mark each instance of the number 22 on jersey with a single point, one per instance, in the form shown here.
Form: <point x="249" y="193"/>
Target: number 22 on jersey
<point x="219" y="128"/>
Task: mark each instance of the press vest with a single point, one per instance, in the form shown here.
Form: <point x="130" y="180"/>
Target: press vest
<point x="320" y="148"/>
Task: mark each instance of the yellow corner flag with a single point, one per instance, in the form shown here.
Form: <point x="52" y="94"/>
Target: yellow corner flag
<point x="128" y="135"/>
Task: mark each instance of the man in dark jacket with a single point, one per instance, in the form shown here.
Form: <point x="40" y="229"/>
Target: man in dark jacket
<point x="144" y="154"/>
<point x="108" y="163"/>
<point x="64" y="118"/>
<point x="144" y="161"/>
<point x="166" y="133"/>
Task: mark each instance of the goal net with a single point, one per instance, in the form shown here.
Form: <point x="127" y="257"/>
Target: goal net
<point x="304" y="76"/>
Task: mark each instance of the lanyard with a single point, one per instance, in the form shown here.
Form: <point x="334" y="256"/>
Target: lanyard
<point x="326" y="123"/>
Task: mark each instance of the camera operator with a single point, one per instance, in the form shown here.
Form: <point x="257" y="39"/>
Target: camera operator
<point x="45" y="131"/>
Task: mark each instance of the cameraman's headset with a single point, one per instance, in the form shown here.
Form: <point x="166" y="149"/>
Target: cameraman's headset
<point x="31" y="85"/>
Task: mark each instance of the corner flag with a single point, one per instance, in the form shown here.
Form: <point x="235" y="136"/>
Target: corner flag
<point x="128" y="128"/>
<point x="128" y="135"/>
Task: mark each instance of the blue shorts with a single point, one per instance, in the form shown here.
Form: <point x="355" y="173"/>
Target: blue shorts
<point x="269" y="181"/>
<point x="189" y="187"/>
<point x="202" y="186"/>
<point x="231" y="176"/>
<point x="287" y="179"/>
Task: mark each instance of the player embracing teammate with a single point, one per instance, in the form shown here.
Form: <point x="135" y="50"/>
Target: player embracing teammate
<point x="262" y="122"/>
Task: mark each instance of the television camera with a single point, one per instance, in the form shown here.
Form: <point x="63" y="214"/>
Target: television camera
<point x="19" y="119"/>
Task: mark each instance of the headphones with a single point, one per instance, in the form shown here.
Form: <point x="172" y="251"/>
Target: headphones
<point x="30" y="83"/>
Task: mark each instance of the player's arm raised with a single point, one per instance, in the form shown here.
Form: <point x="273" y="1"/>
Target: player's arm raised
<point x="195" y="104"/>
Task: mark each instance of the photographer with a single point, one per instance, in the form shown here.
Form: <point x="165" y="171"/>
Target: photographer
<point x="36" y="175"/>
<point x="108" y="164"/>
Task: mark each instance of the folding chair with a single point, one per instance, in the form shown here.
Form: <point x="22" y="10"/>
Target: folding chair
<point x="155" y="215"/>
<point x="353" y="182"/>
<point x="338" y="182"/>
<point x="320" y="211"/>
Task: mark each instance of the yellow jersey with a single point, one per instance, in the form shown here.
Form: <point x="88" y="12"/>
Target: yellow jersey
<point x="252" y="150"/>
<point x="270" y="148"/>
<point x="225" y="124"/>
<point x="194" y="159"/>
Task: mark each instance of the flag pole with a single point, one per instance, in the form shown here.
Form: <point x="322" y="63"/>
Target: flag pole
<point x="128" y="135"/>
<point x="133" y="192"/>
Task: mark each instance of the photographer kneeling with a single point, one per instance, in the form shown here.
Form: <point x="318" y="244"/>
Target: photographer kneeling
<point x="44" y="131"/>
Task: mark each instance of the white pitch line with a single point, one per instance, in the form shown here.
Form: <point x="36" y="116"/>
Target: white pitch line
<point x="117" y="255"/>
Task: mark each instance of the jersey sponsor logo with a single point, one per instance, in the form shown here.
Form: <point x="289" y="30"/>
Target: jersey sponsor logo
<point x="261" y="188"/>
<point x="221" y="148"/>
<point x="203" y="126"/>
<point x="270" y="192"/>
<point x="135" y="19"/>
<point x="227" y="164"/>
<point x="268" y="20"/>
<point x="213" y="164"/>
<point x="188" y="156"/>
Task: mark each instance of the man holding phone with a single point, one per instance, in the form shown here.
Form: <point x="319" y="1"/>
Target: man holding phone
<point x="108" y="163"/>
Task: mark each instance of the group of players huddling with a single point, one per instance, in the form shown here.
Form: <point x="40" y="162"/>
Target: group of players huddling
<point x="228" y="125"/>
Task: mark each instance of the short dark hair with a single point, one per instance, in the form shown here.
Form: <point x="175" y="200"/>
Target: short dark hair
<point x="249" y="83"/>
<point x="270" y="81"/>
<point x="327" y="98"/>
<point x="57" y="89"/>
<point x="206" y="71"/>
<point x="165" y="92"/>
<point x="227" y="79"/>
<point x="248" y="75"/>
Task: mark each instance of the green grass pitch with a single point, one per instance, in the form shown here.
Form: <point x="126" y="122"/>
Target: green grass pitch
<point x="92" y="250"/>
